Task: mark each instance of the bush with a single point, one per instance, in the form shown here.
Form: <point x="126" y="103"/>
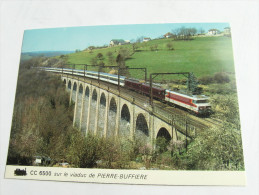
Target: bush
<point x="221" y="77"/>
<point x="170" y="46"/>
<point x="84" y="152"/>
<point x="206" y="80"/>
<point x="226" y="88"/>
<point x="218" y="148"/>
<point x="161" y="144"/>
<point x="41" y="119"/>
<point x="99" y="56"/>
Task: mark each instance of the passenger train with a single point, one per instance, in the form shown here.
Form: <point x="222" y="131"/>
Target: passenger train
<point x="198" y="104"/>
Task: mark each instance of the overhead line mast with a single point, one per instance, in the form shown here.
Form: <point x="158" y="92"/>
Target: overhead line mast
<point x="152" y="76"/>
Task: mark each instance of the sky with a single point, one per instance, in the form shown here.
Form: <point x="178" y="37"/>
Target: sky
<point x="72" y="38"/>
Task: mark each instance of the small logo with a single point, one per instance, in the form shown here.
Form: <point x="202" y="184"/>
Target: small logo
<point x="20" y="172"/>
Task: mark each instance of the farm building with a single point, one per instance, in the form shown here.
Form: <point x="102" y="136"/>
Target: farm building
<point x="227" y="31"/>
<point x="146" y="39"/>
<point x="168" y="35"/>
<point x="213" y="32"/>
<point x="115" y="42"/>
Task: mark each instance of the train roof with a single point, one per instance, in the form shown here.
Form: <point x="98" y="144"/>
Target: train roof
<point x="155" y="87"/>
<point x="112" y="75"/>
<point x="101" y="73"/>
<point x="194" y="97"/>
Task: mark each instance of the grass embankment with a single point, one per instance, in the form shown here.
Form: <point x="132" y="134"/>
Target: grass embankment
<point x="203" y="56"/>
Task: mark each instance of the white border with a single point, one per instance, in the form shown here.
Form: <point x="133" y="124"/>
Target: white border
<point x="111" y="176"/>
<point x="243" y="16"/>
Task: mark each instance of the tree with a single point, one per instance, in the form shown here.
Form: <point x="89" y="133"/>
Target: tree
<point x="120" y="60"/>
<point x="91" y="47"/>
<point x="218" y="148"/>
<point x="169" y="45"/>
<point x="83" y="151"/>
<point x="94" y="61"/>
<point x="101" y="66"/>
<point x="193" y="31"/>
<point x="41" y="118"/>
<point x="110" y="58"/>
<point x="140" y="39"/>
<point x="184" y="33"/>
<point x="99" y="56"/>
<point x="221" y="77"/>
<point x="201" y="31"/>
<point x="109" y="53"/>
<point x="153" y="47"/>
<point x="124" y="53"/>
<point x="192" y="83"/>
<point x="227" y="108"/>
<point x="135" y="46"/>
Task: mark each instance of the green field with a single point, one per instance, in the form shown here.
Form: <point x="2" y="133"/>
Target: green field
<point x="202" y="56"/>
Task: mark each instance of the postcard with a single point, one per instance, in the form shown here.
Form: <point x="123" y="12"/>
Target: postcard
<point x="128" y="104"/>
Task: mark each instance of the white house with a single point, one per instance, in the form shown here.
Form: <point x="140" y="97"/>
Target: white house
<point x="146" y="39"/>
<point x="227" y="31"/>
<point x="213" y="32"/>
<point x="114" y="42"/>
<point x="168" y="35"/>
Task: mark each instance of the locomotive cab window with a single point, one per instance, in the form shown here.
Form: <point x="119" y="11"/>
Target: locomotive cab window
<point x="200" y="101"/>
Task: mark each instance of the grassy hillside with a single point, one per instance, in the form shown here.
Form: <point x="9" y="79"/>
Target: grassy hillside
<point x="203" y="56"/>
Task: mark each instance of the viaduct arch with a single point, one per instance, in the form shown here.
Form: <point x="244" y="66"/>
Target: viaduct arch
<point x="114" y="110"/>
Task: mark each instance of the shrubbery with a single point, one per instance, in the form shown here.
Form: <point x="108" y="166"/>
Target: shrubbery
<point x="220" y="77"/>
<point x="41" y="118"/>
<point x="218" y="148"/>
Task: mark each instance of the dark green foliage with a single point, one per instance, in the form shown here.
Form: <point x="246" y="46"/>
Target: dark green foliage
<point x="226" y="108"/>
<point x="120" y="60"/>
<point x="184" y="33"/>
<point x="33" y="62"/>
<point x="221" y="77"/>
<point x="192" y="83"/>
<point x="41" y="118"/>
<point x="223" y="89"/>
<point x="135" y="47"/>
<point x="111" y="58"/>
<point x="153" y="47"/>
<point x="99" y="56"/>
<point x="206" y="80"/>
<point x="215" y="149"/>
<point x="83" y="151"/>
<point x="101" y="66"/>
<point x="94" y="61"/>
<point x="169" y="45"/>
<point x="161" y="144"/>
<point x="125" y="53"/>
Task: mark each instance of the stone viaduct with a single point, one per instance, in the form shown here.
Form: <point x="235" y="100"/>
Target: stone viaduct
<point x="152" y="122"/>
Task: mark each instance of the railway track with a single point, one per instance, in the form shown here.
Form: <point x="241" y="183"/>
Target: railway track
<point x="214" y="121"/>
<point x="144" y="100"/>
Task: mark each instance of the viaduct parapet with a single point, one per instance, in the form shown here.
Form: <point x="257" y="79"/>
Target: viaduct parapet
<point x="152" y="122"/>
